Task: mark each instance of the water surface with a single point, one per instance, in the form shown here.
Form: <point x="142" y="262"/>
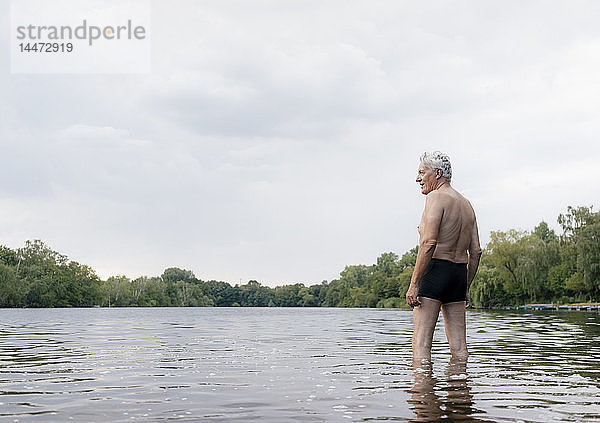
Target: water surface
<point x="307" y="365"/>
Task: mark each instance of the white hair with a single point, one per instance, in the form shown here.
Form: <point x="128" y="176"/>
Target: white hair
<point x="438" y="160"/>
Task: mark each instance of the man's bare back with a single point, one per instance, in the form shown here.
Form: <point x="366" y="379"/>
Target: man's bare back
<point x="456" y="226"/>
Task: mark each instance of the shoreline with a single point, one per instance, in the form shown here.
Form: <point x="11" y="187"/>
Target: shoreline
<point x="587" y="307"/>
<point x="556" y="307"/>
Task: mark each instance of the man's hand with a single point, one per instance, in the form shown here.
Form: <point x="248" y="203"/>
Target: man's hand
<point x="412" y="298"/>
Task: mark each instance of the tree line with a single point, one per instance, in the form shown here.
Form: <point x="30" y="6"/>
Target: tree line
<point x="517" y="267"/>
<point x="540" y="266"/>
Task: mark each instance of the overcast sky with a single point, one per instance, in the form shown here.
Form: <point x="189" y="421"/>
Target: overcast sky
<point x="279" y="140"/>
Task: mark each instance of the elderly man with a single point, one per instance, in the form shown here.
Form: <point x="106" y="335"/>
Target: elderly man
<point x="447" y="261"/>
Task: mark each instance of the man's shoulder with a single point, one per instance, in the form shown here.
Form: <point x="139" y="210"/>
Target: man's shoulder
<point x="440" y="196"/>
<point x="436" y="200"/>
<point x="436" y="193"/>
<point x="464" y="199"/>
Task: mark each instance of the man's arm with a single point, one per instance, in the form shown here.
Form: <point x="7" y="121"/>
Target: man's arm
<point x="474" y="256"/>
<point x="432" y="217"/>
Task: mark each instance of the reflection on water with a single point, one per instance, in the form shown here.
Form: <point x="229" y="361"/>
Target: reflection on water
<point x="451" y="399"/>
<point x="274" y="365"/>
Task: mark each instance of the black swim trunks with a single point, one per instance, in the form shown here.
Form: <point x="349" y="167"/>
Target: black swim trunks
<point x="444" y="281"/>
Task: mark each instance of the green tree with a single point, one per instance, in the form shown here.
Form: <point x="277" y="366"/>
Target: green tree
<point x="387" y="263"/>
<point x="118" y="291"/>
<point x="253" y="294"/>
<point x="504" y="252"/>
<point x="487" y="289"/>
<point x="10" y="293"/>
<point x="221" y="293"/>
<point x="588" y="255"/>
<point x="581" y="229"/>
<point x="558" y="276"/>
<point x="409" y="259"/>
<point x="306" y="298"/>
<point x="8" y="256"/>
<point x="576" y="285"/>
<point x="174" y="274"/>
<point x="543" y="232"/>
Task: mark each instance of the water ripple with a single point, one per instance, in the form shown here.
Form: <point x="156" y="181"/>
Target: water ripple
<point x="313" y="365"/>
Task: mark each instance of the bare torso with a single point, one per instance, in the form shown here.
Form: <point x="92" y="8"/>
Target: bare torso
<point x="456" y="226"/>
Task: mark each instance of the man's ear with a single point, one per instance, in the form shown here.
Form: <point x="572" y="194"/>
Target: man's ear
<point x="438" y="173"/>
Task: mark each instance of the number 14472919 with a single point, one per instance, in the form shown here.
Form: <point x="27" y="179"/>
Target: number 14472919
<point x="46" y="47"/>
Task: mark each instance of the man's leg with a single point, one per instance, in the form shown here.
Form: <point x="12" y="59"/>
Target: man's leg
<point x="456" y="328"/>
<point x="424" y="318"/>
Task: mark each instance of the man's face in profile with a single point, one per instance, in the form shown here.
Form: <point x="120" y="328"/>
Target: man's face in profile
<point x="426" y="178"/>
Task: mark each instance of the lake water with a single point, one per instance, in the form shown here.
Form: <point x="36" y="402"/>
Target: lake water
<point x="286" y="365"/>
